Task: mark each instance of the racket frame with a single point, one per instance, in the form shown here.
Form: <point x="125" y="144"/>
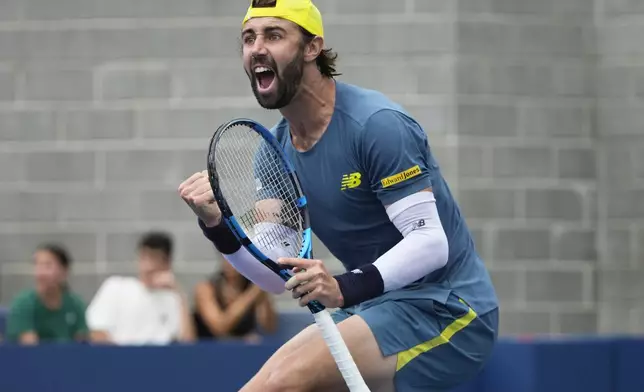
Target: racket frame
<point x="328" y="328"/>
<point x="230" y="219"/>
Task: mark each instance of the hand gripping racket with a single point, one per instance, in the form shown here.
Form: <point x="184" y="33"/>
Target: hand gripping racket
<point x="259" y="194"/>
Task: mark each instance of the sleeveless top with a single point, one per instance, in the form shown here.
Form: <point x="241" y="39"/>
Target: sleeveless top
<point x="245" y="325"/>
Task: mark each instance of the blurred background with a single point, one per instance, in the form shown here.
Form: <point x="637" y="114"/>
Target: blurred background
<point x="534" y="108"/>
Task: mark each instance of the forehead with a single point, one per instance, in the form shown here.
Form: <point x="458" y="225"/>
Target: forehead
<point x="43" y="255"/>
<point x="148" y="254"/>
<point x="256" y="25"/>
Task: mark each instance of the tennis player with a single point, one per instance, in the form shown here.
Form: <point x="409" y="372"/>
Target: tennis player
<point x="416" y="305"/>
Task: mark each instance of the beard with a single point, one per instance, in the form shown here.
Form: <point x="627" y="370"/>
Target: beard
<point x="287" y="81"/>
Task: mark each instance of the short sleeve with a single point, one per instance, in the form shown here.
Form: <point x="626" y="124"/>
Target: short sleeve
<point x="80" y="308"/>
<point x="100" y="312"/>
<point x="21" y="317"/>
<point x="395" y="153"/>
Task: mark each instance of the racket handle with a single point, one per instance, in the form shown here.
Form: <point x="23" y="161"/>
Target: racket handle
<point x="340" y="352"/>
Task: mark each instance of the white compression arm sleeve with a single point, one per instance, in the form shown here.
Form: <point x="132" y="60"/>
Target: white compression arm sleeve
<point x="424" y="247"/>
<point x="246" y="264"/>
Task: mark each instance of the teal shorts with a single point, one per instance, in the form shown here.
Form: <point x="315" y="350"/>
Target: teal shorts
<point x="438" y="346"/>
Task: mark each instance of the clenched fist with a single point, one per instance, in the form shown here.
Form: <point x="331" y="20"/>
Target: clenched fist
<point x="197" y="192"/>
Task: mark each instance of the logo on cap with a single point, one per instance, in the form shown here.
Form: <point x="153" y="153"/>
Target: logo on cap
<point x="264" y="3"/>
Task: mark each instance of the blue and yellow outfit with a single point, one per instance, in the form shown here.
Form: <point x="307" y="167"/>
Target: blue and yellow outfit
<point x="442" y="327"/>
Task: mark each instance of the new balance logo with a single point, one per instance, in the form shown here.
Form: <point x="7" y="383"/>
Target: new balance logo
<point x="417" y="225"/>
<point x="351" y="181"/>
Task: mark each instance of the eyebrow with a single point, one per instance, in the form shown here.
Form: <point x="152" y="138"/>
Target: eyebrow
<point x="266" y="29"/>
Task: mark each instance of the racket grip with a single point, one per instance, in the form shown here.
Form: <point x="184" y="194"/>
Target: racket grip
<point x="340" y="352"/>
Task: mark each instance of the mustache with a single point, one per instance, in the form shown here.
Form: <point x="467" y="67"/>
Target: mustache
<point x="263" y="61"/>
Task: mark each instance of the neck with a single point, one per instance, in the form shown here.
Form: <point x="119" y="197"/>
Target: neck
<point x="51" y="297"/>
<point x="310" y="111"/>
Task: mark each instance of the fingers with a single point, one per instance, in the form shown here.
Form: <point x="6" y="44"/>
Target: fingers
<point x="196" y="189"/>
<point x="292" y="282"/>
<point x="310" y="296"/>
<point x="197" y="192"/>
<point x="187" y="183"/>
<point x="312" y="282"/>
<point x="203" y="194"/>
<point x="299" y="263"/>
<point x="303" y="289"/>
<point x="302" y="277"/>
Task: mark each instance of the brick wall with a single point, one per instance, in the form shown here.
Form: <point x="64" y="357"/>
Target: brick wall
<point x="534" y="109"/>
<point x="620" y="150"/>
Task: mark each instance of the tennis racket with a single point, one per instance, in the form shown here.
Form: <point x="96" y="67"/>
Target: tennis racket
<point x="259" y="195"/>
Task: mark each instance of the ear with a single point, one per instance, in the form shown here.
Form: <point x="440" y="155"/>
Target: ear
<point x="313" y="49"/>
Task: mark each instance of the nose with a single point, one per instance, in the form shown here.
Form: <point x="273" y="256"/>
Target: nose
<point x="258" y="48"/>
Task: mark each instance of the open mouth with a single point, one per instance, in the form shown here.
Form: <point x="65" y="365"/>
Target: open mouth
<point x="265" y="78"/>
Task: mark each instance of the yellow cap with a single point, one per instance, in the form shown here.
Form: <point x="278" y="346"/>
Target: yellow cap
<point x="300" y="12"/>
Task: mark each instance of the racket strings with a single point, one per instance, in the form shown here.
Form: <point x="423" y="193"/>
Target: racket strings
<point x="259" y="191"/>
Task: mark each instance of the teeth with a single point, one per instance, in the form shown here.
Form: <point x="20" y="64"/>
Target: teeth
<point x="261" y="69"/>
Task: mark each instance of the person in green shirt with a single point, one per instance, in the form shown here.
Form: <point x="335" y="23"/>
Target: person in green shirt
<point x="50" y="312"/>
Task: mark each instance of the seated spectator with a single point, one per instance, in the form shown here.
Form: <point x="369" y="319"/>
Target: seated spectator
<point x="50" y="312"/>
<point x="229" y="306"/>
<point x="148" y="309"/>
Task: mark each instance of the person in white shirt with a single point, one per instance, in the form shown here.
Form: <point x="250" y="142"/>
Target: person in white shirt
<point x="150" y="309"/>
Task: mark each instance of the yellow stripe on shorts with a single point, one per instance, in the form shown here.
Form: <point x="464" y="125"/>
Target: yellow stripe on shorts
<point x="404" y="357"/>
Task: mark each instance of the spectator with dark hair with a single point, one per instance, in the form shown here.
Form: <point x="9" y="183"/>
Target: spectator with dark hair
<point x="50" y="312"/>
<point x="229" y="306"/>
<point x="148" y="309"/>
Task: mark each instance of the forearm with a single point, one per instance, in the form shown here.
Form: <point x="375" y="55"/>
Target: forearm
<point x="266" y="316"/>
<point x="233" y="314"/>
<point x="100" y="337"/>
<point x="187" y="326"/>
<point x="239" y="257"/>
<point x="423" y="249"/>
<point x="28" y="338"/>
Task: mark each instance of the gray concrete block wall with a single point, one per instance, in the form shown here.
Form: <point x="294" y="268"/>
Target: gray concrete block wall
<point x="534" y="109"/>
<point x="524" y="96"/>
<point x="620" y="147"/>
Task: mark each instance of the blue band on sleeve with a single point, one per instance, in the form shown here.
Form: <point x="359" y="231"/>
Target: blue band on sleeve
<point x="360" y="285"/>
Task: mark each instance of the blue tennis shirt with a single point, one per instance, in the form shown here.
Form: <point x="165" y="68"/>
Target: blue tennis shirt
<point x="373" y="154"/>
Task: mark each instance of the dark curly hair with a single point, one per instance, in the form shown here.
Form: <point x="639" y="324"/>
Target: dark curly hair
<point x="325" y="60"/>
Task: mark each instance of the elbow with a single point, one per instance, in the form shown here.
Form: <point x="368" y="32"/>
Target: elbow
<point x="216" y="330"/>
<point x="219" y="328"/>
<point x="433" y="251"/>
<point x="440" y="249"/>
